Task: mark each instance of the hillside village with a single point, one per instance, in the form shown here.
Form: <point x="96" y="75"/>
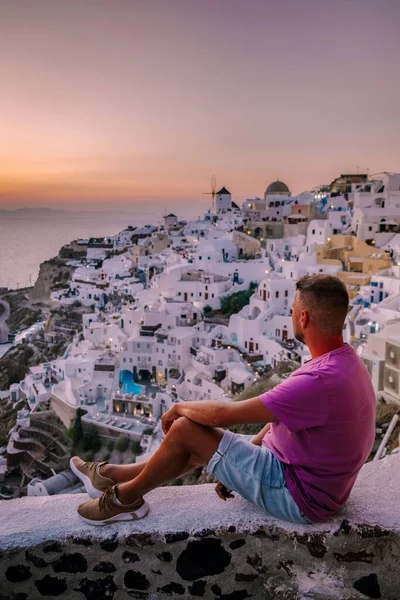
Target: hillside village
<point x="194" y="311"/>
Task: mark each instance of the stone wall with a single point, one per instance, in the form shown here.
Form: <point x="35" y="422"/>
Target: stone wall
<point x="194" y="545"/>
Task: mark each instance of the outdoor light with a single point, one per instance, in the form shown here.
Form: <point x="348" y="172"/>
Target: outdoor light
<point x="267" y="272"/>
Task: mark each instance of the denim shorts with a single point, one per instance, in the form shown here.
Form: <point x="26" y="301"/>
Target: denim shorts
<point x="255" y="473"/>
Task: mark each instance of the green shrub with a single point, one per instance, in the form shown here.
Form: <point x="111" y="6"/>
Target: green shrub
<point x="234" y="303"/>
<point x="91" y="439"/>
<point x="136" y="448"/>
<point x="122" y="444"/>
<point x="110" y="445"/>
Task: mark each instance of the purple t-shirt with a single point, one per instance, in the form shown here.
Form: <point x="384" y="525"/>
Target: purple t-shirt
<point x="326" y="429"/>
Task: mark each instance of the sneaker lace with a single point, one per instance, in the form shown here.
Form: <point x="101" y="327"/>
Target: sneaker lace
<point x="91" y="465"/>
<point x="107" y="499"/>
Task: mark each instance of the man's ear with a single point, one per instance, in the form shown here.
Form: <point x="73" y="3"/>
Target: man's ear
<point x="304" y="318"/>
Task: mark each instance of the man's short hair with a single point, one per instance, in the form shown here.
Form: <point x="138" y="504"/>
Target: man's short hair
<point x="327" y="301"/>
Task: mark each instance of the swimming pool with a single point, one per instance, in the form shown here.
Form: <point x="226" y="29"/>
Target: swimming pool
<point x="128" y="386"/>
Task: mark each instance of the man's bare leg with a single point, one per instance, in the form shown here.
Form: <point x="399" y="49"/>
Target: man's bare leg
<point x="124" y="473"/>
<point x="183" y="441"/>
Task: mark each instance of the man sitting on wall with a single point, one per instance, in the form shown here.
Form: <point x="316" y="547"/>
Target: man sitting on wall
<point x="301" y="467"/>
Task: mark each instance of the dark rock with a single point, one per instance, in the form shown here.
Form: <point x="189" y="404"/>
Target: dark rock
<point x="204" y="533"/>
<point x="371" y="531"/>
<point x="130" y="557"/>
<point x="260" y="532"/>
<point x="140" y="539"/>
<point x="54" y="547"/>
<point x="81" y="541"/>
<point x="216" y="589"/>
<point x="198" y="588"/>
<point x="111" y="544"/>
<point x="70" y="563"/>
<point x="255" y="561"/>
<point x="105" y="567"/>
<point x="344" y="528"/>
<point x="158" y="572"/>
<point x="236" y="595"/>
<point x="37" y="561"/>
<point x="138" y="595"/>
<point x="232" y="529"/>
<point x="136" y="580"/>
<point x="17" y="596"/>
<point x="314" y="543"/>
<point x="245" y="576"/>
<point x="172" y="588"/>
<point x="237" y="544"/>
<point x="369" y="586"/>
<point x="97" y="589"/>
<point x="18" y="573"/>
<point x="170" y="538"/>
<point x="202" y="558"/>
<point x="285" y="565"/>
<point x="165" y="556"/>
<point x="362" y="556"/>
<point x="51" y="586"/>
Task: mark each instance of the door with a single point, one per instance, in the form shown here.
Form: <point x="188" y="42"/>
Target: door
<point x="251" y="347"/>
<point x="206" y="296"/>
<point x="284" y="335"/>
<point x="185" y="296"/>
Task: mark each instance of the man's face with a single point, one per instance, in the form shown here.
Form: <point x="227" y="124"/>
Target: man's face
<point x="297" y="329"/>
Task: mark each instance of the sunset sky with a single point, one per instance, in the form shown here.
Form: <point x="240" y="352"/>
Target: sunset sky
<point x="110" y="102"/>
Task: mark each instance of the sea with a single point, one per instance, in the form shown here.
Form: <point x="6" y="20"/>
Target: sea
<point x="29" y="237"/>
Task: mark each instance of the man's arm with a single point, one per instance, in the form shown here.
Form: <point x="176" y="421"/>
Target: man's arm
<point x="257" y="439"/>
<point x="220" y="414"/>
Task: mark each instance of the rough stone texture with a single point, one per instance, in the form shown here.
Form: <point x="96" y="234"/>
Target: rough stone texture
<point x="193" y="545"/>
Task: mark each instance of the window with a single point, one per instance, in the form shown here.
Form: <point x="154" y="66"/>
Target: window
<point x="192" y="294"/>
<point x="138" y="345"/>
<point x="370" y="228"/>
<point x="277" y="332"/>
<point x="276" y="294"/>
<point x="269" y="295"/>
<point x="245" y="344"/>
<point x="199" y="257"/>
<point x="313" y="231"/>
<point x="286" y="293"/>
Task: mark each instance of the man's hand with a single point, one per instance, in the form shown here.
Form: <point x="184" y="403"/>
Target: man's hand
<point x="168" y="418"/>
<point x="223" y="492"/>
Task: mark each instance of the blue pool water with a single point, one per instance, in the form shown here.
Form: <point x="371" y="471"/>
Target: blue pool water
<point x="128" y="386"/>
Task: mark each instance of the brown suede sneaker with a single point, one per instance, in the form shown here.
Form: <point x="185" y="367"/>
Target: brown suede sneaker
<point x="105" y="510"/>
<point x="88" y="473"/>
